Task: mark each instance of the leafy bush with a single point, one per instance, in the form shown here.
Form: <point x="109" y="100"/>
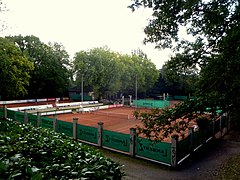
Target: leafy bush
<point x="202" y="122"/>
<point x="160" y="124"/>
<point x="36" y="153"/>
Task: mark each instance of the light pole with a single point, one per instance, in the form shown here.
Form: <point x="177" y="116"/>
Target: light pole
<point x="136" y="88"/>
<point x="82" y="90"/>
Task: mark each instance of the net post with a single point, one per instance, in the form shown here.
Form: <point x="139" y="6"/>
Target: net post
<point x="100" y="134"/>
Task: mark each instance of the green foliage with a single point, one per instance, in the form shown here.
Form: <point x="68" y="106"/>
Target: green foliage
<point x="136" y="114"/>
<point x="202" y="122"/>
<point x="35" y="153"/>
<point x="51" y="63"/>
<point x="160" y="124"/>
<point x="184" y="78"/>
<point x="15" y="70"/>
<point x="99" y="70"/>
<point x="213" y="48"/>
<point x="107" y="73"/>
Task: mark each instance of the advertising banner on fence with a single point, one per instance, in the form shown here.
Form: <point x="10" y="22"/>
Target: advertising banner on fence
<point x="87" y="133"/>
<point x="46" y="122"/>
<point x="116" y="140"/>
<point x="65" y="127"/>
<point x="19" y="116"/>
<point x="32" y="119"/>
<point x="10" y="114"/>
<point x="151" y="103"/>
<point x="184" y="147"/>
<point x="1" y="112"/>
<point x="158" y="151"/>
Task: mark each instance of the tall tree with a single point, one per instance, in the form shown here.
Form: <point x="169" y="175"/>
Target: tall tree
<point x="107" y="73"/>
<point x="183" y="78"/>
<point x="51" y="76"/>
<point x="215" y="26"/>
<point x="15" y="71"/>
<point x="146" y="72"/>
<point x="99" y="69"/>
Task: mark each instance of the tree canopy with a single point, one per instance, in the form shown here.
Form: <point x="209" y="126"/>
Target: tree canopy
<point x="210" y="58"/>
<point x="15" y="70"/>
<point x="51" y="75"/>
<point x="214" y="50"/>
<point x="107" y="73"/>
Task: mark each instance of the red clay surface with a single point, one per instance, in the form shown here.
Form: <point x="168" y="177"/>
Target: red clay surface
<point x="116" y="119"/>
<point x="119" y="119"/>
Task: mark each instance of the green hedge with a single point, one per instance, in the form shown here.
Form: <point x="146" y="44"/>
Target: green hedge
<point x="27" y="152"/>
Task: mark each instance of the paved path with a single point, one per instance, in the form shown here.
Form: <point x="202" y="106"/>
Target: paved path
<point x="203" y="167"/>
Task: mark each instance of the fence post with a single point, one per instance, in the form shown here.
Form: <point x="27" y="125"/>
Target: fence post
<point x="191" y="135"/>
<point x="55" y="122"/>
<point x="225" y="125"/>
<point x="213" y="129"/>
<point x="174" y="150"/>
<point x="132" y="141"/>
<point x="220" y="121"/>
<point x="100" y="134"/>
<point x="75" y="121"/>
<point x="5" y="111"/>
<point x="228" y="121"/>
<point x="38" y="119"/>
<point x="25" y="117"/>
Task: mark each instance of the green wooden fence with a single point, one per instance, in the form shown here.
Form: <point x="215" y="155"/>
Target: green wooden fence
<point x="116" y="140"/>
<point x="33" y="120"/>
<point x="151" y="103"/>
<point x="19" y="116"/>
<point x="64" y="127"/>
<point x="1" y="112"/>
<point x="46" y="122"/>
<point x="159" y="151"/>
<point x="11" y="114"/>
<point x="87" y="133"/>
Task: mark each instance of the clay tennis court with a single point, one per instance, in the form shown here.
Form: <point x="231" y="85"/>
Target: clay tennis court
<point x="118" y="119"/>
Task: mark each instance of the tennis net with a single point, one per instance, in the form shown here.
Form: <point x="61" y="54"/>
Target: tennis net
<point x="111" y="114"/>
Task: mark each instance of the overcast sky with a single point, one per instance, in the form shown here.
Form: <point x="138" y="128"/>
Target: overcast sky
<point x="83" y="25"/>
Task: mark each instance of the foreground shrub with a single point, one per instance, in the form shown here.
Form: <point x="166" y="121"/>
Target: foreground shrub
<point x="36" y="153"/>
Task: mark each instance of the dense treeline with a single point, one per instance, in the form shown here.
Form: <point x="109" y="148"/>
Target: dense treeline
<point x="33" y="69"/>
<point x="208" y="63"/>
